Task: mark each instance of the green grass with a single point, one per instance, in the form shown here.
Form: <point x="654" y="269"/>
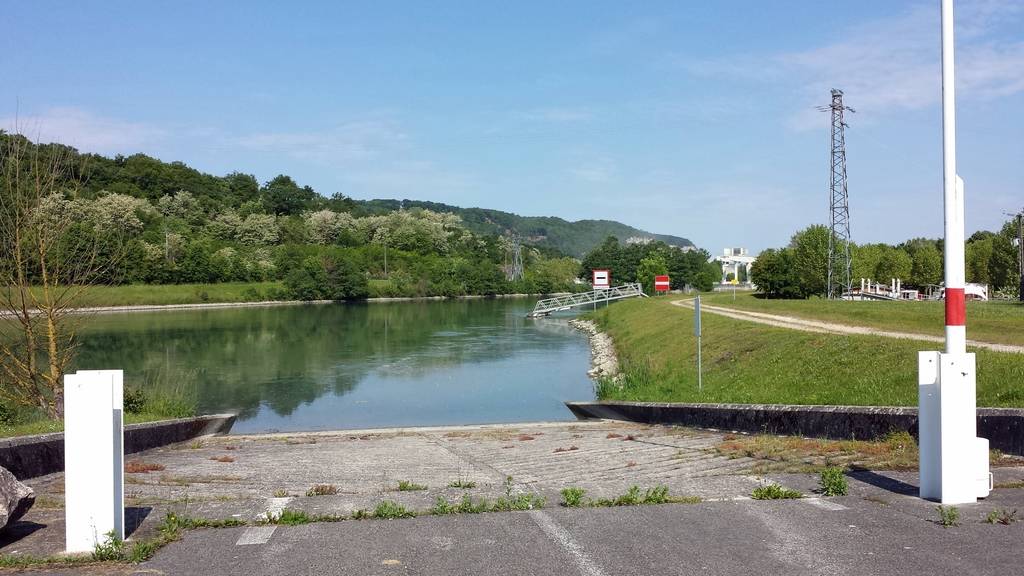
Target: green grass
<point x="48" y="426"/>
<point x="161" y="294"/>
<point x="751" y="363"/>
<point x="409" y="486"/>
<point x="774" y="492"/>
<point x="995" y="322"/>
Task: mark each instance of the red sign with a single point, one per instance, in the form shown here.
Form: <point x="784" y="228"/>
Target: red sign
<point x="602" y="278"/>
<point x="661" y="283"/>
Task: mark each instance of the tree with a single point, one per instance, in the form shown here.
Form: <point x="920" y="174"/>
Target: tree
<point x="927" y="265"/>
<point x="895" y="263"/>
<point x="774" y="275"/>
<point x="810" y="259"/>
<point x="48" y="260"/>
<point x="650" y="267"/>
<point x="283" y="197"/>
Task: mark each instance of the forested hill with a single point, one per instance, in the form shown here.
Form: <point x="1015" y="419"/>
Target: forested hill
<point x="572" y="238"/>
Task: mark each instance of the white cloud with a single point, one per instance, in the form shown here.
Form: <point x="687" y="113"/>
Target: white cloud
<point x="84" y="130"/>
<point x="892" y="65"/>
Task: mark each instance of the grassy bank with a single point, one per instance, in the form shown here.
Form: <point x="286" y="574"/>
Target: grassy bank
<point x="162" y="294"/>
<point x="996" y="322"/>
<point x="746" y="362"/>
<point x="177" y="401"/>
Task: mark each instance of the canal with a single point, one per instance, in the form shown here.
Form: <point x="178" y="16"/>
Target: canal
<point x="344" y="366"/>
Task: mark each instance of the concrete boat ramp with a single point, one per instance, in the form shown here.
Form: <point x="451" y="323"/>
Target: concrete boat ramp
<point x="249" y="477"/>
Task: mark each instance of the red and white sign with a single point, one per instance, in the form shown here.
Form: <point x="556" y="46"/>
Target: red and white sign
<point x="602" y="279"/>
<point x="661" y="283"/>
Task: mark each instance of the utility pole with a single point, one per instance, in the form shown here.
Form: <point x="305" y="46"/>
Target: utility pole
<point x="1020" y="255"/>
<point x="516" y="271"/>
<point x="839" y="260"/>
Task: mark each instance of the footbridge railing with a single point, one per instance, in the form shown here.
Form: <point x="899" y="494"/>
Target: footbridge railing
<point x="549" y="305"/>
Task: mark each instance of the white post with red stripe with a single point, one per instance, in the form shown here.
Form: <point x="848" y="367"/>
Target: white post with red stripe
<point x="953" y="461"/>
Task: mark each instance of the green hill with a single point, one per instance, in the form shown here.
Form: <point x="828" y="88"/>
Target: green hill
<point x="573" y="238"/>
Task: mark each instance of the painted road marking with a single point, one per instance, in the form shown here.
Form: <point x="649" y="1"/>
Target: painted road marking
<point x="826" y="504"/>
<point x="256" y="535"/>
<point x="586" y="566"/>
<point x="274" y="507"/>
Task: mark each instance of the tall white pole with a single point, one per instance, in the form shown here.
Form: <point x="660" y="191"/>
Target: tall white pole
<point x="953" y="194"/>
<point x="953" y="461"/>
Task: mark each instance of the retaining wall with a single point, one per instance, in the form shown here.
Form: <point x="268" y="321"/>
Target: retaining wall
<point x="1004" y="427"/>
<point x="30" y="456"/>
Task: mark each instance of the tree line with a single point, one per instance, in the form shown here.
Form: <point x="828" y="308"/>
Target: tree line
<point x="641" y="262"/>
<point x="799" y="270"/>
<point x="168" y="223"/>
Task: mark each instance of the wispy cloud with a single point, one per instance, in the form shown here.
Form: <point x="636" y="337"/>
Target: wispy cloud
<point x="891" y="65"/>
<point x="595" y="170"/>
<point x="85" y="130"/>
<point x="343" y="144"/>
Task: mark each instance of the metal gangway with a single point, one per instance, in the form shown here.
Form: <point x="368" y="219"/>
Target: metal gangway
<point x="559" y="303"/>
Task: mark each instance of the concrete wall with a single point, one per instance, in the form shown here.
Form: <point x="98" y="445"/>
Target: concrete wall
<point x="1004" y="427"/>
<point x="30" y="456"/>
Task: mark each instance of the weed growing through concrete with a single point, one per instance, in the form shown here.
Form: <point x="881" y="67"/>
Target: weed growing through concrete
<point x="361" y="514"/>
<point x="322" y="490"/>
<point x="390" y="509"/>
<point x="409" y="486"/>
<point x="833" y="481"/>
<point x="633" y="497"/>
<point x="460" y="483"/>
<point x="774" y="492"/>
<point x="1009" y="485"/>
<point x="280" y="493"/>
<point x="224" y="459"/>
<point x="1001" y="516"/>
<point x="140" y="467"/>
<point x="948" y="515"/>
<point x="569" y="449"/>
<point x="289" y="517"/>
<point x="572" y="497"/>
<point x="110" y="549"/>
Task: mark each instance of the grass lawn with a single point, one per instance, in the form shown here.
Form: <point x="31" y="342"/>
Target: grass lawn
<point x="158" y="294"/>
<point x="47" y="426"/>
<point x="996" y="322"/>
<point x="751" y="363"/>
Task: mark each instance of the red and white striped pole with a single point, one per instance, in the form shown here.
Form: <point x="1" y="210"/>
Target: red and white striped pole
<point x="953" y="461"/>
<point x="953" y="194"/>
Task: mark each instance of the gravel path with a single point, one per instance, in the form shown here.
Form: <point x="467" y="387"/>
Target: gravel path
<point x="794" y="323"/>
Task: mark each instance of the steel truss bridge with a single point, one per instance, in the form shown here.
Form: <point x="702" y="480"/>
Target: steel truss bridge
<point x="559" y="303"/>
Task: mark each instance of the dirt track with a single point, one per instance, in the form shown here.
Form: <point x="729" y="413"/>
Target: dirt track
<point x="794" y="323"/>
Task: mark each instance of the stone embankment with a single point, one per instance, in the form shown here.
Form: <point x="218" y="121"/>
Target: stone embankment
<point x="604" y="363"/>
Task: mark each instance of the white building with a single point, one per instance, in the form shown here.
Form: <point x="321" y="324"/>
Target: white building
<point x="733" y="260"/>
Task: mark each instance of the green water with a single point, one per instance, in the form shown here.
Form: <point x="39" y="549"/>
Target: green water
<point x="336" y="366"/>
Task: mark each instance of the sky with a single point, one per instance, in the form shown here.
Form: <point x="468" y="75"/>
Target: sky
<point x="693" y="118"/>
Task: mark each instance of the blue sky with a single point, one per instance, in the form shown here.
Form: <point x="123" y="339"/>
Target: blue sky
<point x="687" y="118"/>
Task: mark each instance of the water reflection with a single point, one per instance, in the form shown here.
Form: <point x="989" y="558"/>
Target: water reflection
<point x="352" y="365"/>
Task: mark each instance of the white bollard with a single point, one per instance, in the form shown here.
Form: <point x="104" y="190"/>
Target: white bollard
<point x="953" y="464"/>
<point x="93" y="458"/>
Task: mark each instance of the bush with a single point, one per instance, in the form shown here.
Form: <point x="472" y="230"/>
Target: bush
<point x="833" y="481"/>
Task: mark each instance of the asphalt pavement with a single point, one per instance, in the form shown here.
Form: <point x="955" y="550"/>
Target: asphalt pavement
<point x="884" y="533"/>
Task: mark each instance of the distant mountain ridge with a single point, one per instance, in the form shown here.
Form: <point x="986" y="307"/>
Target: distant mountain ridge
<point x="572" y="238"/>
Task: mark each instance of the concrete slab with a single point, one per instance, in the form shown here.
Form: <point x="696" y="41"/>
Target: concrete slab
<point x="244" y="477"/>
